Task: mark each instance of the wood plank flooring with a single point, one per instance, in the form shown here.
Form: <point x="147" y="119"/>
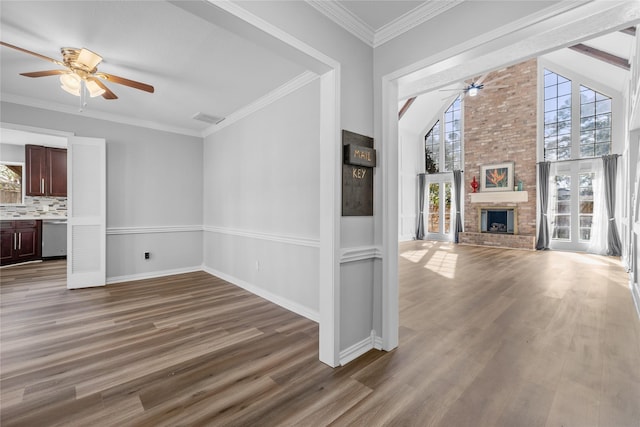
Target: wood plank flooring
<point x="488" y="337"/>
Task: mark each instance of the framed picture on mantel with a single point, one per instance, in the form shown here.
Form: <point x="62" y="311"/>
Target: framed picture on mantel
<point x="496" y="177"/>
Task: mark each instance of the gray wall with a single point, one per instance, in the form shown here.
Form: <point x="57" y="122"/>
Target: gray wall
<point x="154" y="191"/>
<point x="261" y="201"/>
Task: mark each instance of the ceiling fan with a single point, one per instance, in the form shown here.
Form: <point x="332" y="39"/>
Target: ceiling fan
<point x="475" y="86"/>
<point x="81" y="71"/>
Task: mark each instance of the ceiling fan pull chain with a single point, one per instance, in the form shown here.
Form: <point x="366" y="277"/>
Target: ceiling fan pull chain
<point x="83" y="95"/>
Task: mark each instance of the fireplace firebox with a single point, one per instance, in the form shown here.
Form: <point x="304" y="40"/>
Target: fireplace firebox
<point x="498" y="220"/>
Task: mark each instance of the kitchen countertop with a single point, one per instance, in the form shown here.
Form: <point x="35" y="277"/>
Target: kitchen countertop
<point x="32" y="217"/>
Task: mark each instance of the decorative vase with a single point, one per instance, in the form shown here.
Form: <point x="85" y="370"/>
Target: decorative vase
<point x="474" y="185"/>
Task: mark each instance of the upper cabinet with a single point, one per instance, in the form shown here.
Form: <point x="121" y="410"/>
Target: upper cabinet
<point x="46" y="171"/>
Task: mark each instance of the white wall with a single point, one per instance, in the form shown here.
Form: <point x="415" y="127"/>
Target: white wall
<point x="411" y="161"/>
<point x="154" y="191"/>
<point x="261" y="201"/>
<point x="360" y="281"/>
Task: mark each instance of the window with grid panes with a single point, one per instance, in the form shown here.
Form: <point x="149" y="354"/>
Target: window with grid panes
<point x="445" y="137"/>
<point x="432" y="149"/>
<point x="557" y="117"/>
<point x="595" y="123"/>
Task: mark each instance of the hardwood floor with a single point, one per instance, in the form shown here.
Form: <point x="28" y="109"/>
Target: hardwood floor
<point x="489" y="337"/>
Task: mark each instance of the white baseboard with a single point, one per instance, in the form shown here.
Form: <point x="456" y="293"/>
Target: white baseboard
<point x="152" y="274"/>
<point x="360" y="348"/>
<point x="635" y="292"/>
<point x="276" y="299"/>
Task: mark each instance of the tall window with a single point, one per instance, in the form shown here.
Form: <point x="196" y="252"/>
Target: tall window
<point x="557" y="117"/>
<point x="566" y="102"/>
<point x="453" y="136"/>
<point x="432" y="149"/>
<point x="560" y="135"/>
<point x="595" y="123"/>
<point x="443" y="144"/>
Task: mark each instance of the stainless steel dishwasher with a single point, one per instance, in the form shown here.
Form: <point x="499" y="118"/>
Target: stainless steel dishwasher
<point x="54" y="238"/>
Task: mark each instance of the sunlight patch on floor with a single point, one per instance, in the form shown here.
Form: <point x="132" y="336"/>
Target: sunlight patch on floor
<point x="414" y="256"/>
<point x="443" y="263"/>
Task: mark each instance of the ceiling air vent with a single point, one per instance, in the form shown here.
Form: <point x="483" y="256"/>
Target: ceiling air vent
<point x="208" y="118"/>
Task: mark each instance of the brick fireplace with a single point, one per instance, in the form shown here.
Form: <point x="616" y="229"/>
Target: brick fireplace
<point x="500" y="126"/>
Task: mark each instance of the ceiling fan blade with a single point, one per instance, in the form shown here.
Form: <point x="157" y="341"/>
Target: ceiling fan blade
<point x="107" y="93"/>
<point x="46" y="58"/>
<point x="45" y="73"/>
<point x="121" y="80"/>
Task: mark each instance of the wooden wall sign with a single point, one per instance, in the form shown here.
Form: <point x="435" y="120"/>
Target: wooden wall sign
<point x="358" y="161"/>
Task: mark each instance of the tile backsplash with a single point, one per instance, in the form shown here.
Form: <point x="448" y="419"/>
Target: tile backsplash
<point x="35" y="207"/>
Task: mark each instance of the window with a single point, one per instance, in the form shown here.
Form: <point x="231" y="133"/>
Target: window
<point x="577" y="126"/>
<point x="453" y="136"/>
<point x="11" y="188"/>
<point x="586" y="206"/>
<point x="560" y="136"/>
<point x="561" y="224"/>
<point x="595" y="123"/>
<point x="443" y="144"/>
<point x="432" y="149"/>
<point x="557" y="117"/>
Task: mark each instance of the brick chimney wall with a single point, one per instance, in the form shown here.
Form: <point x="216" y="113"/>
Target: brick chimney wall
<point x="500" y="126"/>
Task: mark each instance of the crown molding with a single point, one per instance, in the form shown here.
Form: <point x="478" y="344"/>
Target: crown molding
<point x="345" y="18"/>
<point x="411" y="19"/>
<point x="278" y="93"/>
<point x="62" y="108"/>
<point x="353" y="24"/>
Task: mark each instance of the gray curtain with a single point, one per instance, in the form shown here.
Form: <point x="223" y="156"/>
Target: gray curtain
<point x="543" y="180"/>
<point x="610" y="166"/>
<point x="457" y="180"/>
<point x="421" y="188"/>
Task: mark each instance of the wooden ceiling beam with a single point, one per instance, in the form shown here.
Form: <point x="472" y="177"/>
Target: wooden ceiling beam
<point x="630" y="31"/>
<point x="405" y="107"/>
<point x="602" y="56"/>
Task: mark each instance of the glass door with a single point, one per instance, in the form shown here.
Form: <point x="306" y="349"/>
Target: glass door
<point x="438" y="209"/>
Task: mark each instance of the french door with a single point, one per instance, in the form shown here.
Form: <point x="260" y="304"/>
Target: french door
<point x="439" y="188"/>
<point x="86" y="214"/>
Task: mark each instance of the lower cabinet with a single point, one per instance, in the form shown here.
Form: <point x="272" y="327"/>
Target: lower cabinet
<point x="20" y="241"/>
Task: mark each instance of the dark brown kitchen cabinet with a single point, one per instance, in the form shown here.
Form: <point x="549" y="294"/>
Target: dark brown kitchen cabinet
<point x="46" y="171"/>
<point x="20" y="241"/>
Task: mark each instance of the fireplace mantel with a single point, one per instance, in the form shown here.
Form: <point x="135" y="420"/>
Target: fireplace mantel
<point x="500" y="197"/>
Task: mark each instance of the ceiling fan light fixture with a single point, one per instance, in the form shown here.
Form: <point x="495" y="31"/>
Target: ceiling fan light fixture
<point x="88" y="59"/>
<point x="94" y="89"/>
<point x="473" y="91"/>
<point x="71" y="83"/>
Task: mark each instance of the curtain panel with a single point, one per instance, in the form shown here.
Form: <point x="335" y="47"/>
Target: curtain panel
<point x="421" y="188"/>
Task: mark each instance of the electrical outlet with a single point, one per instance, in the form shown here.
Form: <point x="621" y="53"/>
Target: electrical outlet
<point x="257" y="265"/>
<point x="147" y="255"/>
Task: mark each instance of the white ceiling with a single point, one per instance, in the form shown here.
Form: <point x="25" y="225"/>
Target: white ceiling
<point x="195" y="66"/>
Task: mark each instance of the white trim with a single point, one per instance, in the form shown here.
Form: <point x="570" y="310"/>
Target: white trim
<point x="278" y="238"/>
<point x="635" y="293"/>
<point x="276" y="299"/>
<point x="358" y="349"/>
<point x="156" y="229"/>
<point x="34" y="129"/>
<point x="238" y="11"/>
<point x="360" y="253"/>
<point x="276" y="94"/>
<point x="61" y="108"/>
<point x="500" y="196"/>
<point x="344" y="18"/>
<point x="372" y="37"/>
<point x="411" y="19"/>
<point x="152" y="274"/>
